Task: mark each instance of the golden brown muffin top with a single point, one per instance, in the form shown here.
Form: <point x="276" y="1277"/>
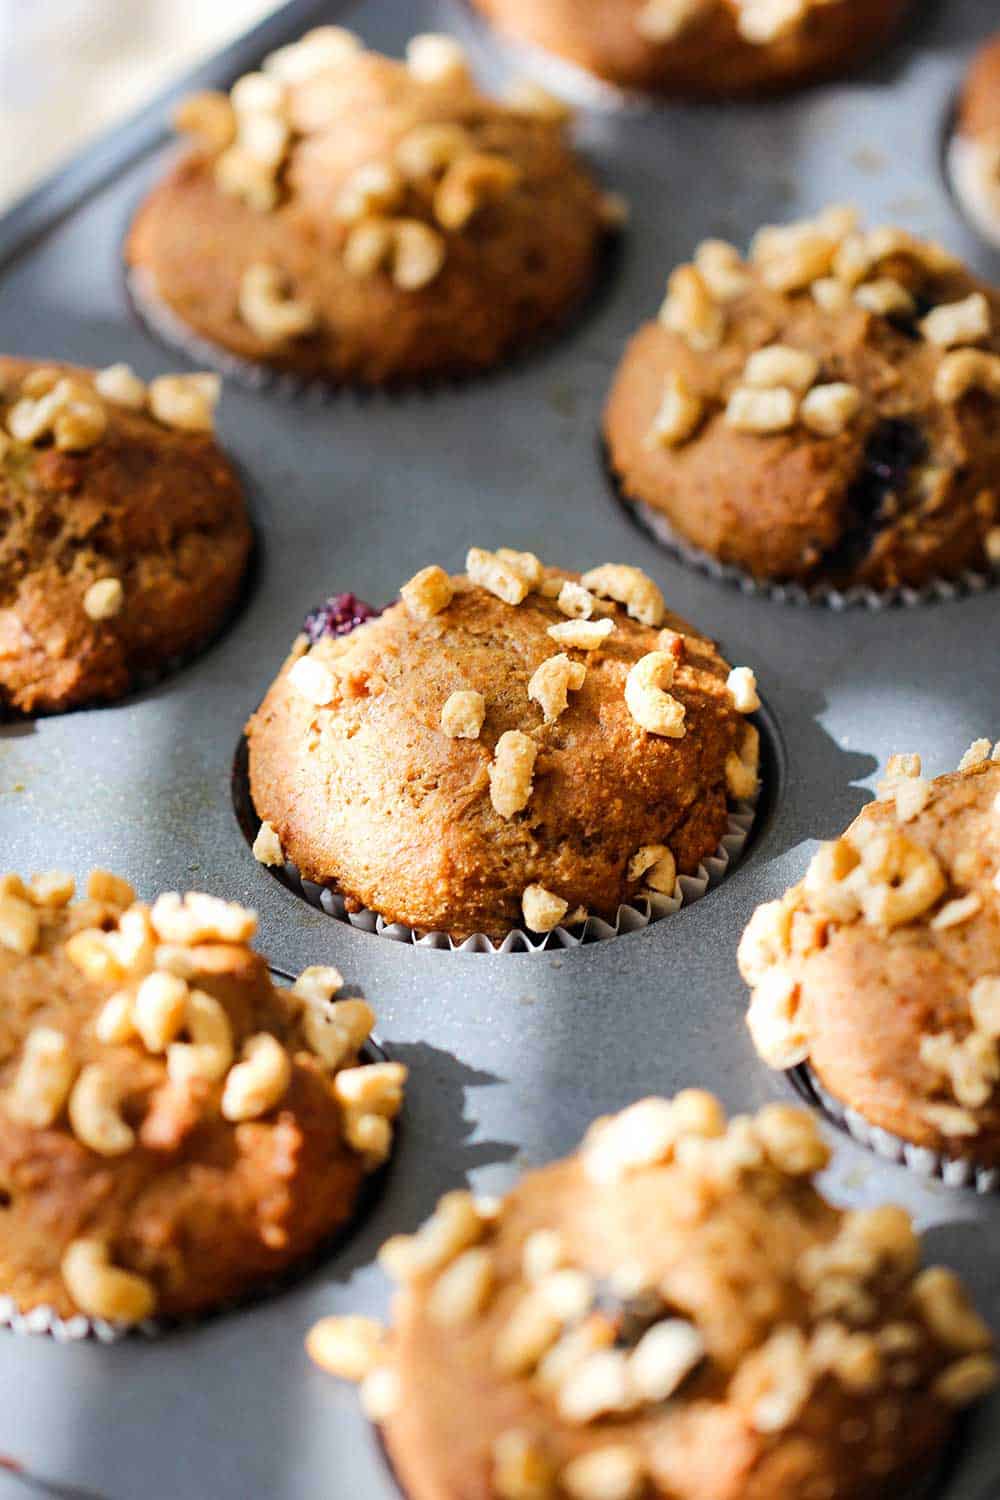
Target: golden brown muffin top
<point x="144" y="1051"/>
<point x="395" y="168"/>
<point x="881" y="966"/>
<point x="674" y="1311"/>
<point x="835" y="393"/>
<point x="507" y="745"/>
<point x="125" y="534"/>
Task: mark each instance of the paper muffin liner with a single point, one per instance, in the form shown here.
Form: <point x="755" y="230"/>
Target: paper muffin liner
<point x="954" y="1172"/>
<point x="630" y="917"/>
<point x="45" y="1320"/>
<point x="823" y="595"/>
<point x="322" y="390"/>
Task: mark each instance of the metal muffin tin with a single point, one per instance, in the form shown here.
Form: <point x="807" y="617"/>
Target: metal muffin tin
<point x="511" y="1056"/>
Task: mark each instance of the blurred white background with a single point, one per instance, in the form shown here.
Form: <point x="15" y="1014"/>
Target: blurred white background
<point x="70" y="68"/>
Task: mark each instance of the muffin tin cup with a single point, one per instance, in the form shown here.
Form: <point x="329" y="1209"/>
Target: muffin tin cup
<point x="821" y="595"/>
<point x="47" y="1321"/>
<point x="954" y="1172"/>
<point x="171" y="331"/>
<point x="631" y="917"/>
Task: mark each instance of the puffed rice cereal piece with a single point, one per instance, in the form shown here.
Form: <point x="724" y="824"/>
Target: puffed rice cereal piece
<point x="651" y="706"/>
<point x="551" y="683"/>
<point x="462" y="714"/>
<point x="512" y="772"/>
<point x="629" y="586"/>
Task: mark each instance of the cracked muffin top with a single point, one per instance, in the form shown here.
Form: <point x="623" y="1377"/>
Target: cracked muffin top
<point x="346" y="216"/>
<point x="881" y="967"/>
<point x="823" y="412"/>
<point x="174" y="1129"/>
<point x="673" y="1312"/>
<point x="703" y="47"/>
<point x="512" y="746"/>
<point x="124" y="536"/>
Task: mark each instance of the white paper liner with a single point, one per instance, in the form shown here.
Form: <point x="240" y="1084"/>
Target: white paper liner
<point x="47" y="1322"/>
<point x="953" y="1171"/>
<point x="819" y="594"/>
<point x="630" y="918"/>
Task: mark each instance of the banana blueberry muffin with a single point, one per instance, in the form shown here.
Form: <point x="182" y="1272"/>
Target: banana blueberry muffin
<point x="882" y="967"/>
<point x="174" y="1130"/>
<point x="673" y="1312"/>
<point x="703" y="47"/>
<point x="343" y="215"/>
<point x="823" y="412"/>
<point x="974" y="153"/>
<point x="124" y="535"/>
<point x="512" y="746"/>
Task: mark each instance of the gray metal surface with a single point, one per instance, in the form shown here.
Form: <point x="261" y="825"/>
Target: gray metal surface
<point x="510" y="1056"/>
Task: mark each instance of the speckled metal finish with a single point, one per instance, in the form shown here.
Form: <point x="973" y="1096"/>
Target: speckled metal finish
<point x="511" y="1056"/>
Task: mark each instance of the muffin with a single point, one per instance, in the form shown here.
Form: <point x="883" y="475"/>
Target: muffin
<point x="345" y="216"/>
<point x="974" y="152"/>
<point x="174" y="1130"/>
<point x="882" y="967"/>
<point x="675" y="1312"/>
<point x="824" y="413"/>
<point x="703" y="47"/>
<point x="513" y="746"/>
<point x="124" y="538"/>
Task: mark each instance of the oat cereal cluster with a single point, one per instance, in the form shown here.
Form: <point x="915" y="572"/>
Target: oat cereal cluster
<point x="572" y="625"/>
<point x="160" y="1099"/>
<point x="907" y="900"/>
<point x="677" y="1288"/>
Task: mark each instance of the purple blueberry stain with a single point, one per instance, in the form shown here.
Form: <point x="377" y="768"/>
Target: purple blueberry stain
<point x="338" y="615"/>
<point x="893" y="450"/>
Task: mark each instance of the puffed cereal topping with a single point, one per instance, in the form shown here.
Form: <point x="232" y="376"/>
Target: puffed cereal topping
<point x="629" y="586"/>
<point x="512" y="772"/>
<point x="489" y="571"/>
<point x="542" y="909"/>
<point x="651" y="706"/>
<point x="462" y="714"/>
<point x="552" y="681"/>
<point x="427" y="593"/>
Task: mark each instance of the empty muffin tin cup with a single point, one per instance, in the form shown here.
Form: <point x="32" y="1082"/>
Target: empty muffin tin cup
<point x="954" y="1172"/>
